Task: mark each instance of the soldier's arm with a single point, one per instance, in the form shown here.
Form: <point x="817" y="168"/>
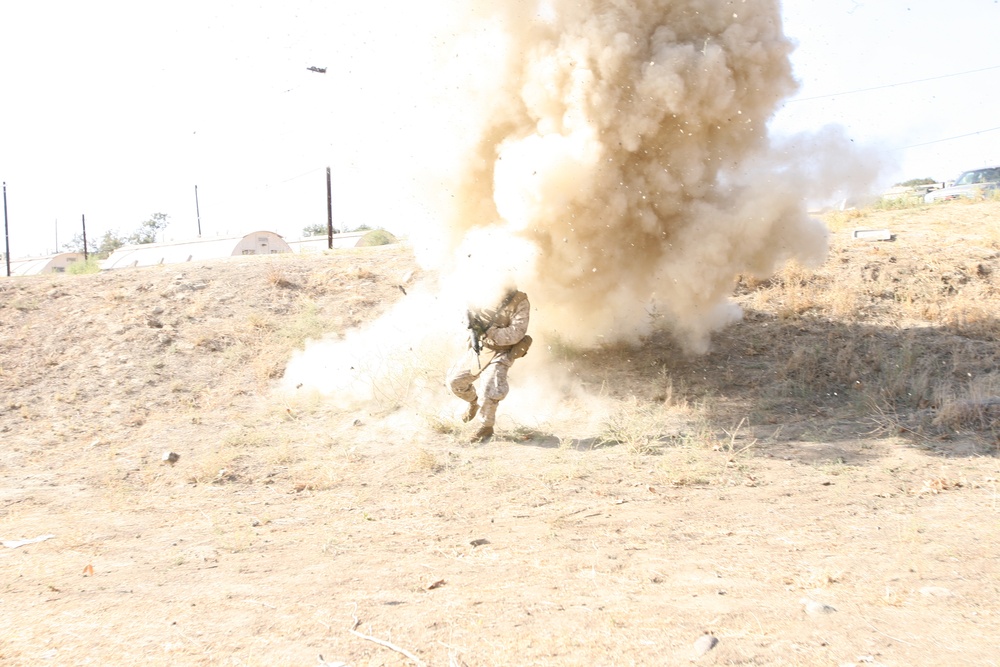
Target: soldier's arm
<point x="517" y="329"/>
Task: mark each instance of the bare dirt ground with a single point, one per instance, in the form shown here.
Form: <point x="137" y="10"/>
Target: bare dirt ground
<point x="820" y="489"/>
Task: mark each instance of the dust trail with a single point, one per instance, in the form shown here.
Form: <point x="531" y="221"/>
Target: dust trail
<point x="614" y="157"/>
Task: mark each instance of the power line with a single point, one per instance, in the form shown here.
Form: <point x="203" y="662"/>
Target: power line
<point x="960" y="136"/>
<point x="293" y="178"/>
<point x="893" y="85"/>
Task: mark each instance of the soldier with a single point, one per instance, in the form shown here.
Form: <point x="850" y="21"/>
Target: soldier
<point x="502" y="333"/>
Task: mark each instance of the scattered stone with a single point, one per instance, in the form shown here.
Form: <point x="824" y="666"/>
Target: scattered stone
<point x="480" y="542"/>
<point x="813" y="608"/>
<point x="704" y="644"/>
<point x="170" y="457"/>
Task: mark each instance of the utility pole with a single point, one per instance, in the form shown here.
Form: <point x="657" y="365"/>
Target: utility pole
<point x="6" y="232"/>
<point x="329" y="211"/>
<point x="83" y="219"/>
<point x="197" y="210"/>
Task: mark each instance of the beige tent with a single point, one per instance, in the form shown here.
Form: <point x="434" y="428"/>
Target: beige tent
<point x="57" y="263"/>
<point x="177" y="252"/>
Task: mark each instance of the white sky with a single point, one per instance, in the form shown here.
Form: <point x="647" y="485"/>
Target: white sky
<point x="116" y="110"/>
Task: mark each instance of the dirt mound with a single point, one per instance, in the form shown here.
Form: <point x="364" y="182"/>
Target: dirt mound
<point x="100" y="355"/>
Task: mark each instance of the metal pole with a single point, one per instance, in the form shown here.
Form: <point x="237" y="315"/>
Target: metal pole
<point x="329" y="211"/>
<point x="83" y="219"/>
<point x="6" y="232"/>
<point x="197" y="210"/>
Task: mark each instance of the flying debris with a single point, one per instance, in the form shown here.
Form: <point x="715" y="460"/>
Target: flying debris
<point x="320" y="70"/>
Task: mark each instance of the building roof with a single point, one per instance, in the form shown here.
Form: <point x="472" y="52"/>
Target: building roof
<point x="30" y="266"/>
<point x="176" y="252"/>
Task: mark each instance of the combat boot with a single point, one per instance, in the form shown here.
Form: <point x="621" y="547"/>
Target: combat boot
<point x="470" y="414"/>
<point x="483" y="434"/>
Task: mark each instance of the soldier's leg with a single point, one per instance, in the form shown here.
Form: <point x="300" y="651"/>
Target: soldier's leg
<point x="460" y="380"/>
<point x="495" y="389"/>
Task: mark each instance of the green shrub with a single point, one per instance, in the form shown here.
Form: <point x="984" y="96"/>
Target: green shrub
<point x="377" y="237"/>
<point x="81" y="268"/>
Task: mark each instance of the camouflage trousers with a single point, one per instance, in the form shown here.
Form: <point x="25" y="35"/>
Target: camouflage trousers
<point x="462" y="376"/>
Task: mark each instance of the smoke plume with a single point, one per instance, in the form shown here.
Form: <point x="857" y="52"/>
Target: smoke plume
<point x="613" y="156"/>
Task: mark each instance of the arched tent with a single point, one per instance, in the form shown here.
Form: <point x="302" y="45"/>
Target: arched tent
<point x="57" y="263"/>
<point x="177" y="252"/>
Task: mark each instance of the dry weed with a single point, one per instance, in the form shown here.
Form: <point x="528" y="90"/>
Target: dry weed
<point x="635" y="425"/>
<point x="277" y="277"/>
<point x="244" y="438"/>
<point x="976" y="407"/>
<point x="214" y="467"/>
<point x="838" y="221"/>
<point x="425" y="461"/>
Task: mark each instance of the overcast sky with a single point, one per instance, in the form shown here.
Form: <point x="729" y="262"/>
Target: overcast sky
<point x="116" y="110"/>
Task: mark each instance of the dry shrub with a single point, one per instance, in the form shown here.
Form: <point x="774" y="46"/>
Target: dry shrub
<point x="899" y="374"/>
<point x="425" y="461"/>
<point x="976" y="406"/>
<point x="972" y="317"/>
<point x="277" y="277"/>
<point x="638" y="426"/>
<point x="214" y="467"/>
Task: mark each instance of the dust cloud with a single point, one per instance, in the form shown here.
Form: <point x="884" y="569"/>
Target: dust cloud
<point x="612" y="156"/>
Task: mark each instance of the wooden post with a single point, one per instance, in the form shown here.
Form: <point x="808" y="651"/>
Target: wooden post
<point x="197" y="210"/>
<point x="329" y="211"/>
<point x="6" y="233"/>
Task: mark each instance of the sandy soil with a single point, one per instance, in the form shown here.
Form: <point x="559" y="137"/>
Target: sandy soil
<point x="760" y="494"/>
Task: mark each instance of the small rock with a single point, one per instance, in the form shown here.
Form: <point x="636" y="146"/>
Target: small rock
<point x="814" y="608"/>
<point x="479" y="542"/>
<point x="170" y="457"/>
<point x="704" y="644"/>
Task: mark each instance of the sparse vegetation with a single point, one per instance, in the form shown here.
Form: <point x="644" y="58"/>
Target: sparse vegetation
<point x="91" y="265"/>
<point x="377" y="237"/>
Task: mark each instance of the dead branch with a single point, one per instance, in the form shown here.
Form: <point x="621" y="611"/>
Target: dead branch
<point x="382" y="642"/>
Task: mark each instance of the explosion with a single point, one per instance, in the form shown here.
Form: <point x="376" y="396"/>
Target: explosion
<point x="614" y="156"/>
<point x="624" y="154"/>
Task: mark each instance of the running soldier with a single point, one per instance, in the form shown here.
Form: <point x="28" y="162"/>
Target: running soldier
<point x="502" y="333"/>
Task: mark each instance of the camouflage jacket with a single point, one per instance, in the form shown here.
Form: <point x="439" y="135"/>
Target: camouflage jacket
<point x="507" y="323"/>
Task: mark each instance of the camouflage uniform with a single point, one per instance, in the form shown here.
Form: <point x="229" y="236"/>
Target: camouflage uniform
<point x="508" y="326"/>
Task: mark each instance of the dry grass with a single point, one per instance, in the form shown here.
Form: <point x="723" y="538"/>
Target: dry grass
<point x="812" y="452"/>
<point x="890" y="323"/>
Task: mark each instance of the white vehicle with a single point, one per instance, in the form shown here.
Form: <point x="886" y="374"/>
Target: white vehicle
<point x="974" y="183"/>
